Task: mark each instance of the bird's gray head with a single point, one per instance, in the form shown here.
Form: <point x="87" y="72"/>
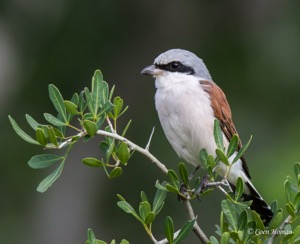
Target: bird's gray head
<point x="178" y="60"/>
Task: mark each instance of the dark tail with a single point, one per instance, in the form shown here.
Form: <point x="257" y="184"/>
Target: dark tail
<point x="258" y="203"/>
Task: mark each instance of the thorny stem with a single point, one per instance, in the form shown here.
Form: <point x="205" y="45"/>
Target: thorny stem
<point x="145" y="151"/>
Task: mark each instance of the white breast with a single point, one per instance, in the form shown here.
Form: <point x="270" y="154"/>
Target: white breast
<point x="187" y="118"/>
<point x="186" y="115"/>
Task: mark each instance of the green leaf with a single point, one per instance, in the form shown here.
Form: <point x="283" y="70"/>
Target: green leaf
<point x="75" y="99"/>
<point x="124" y="241"/>
<point x="213" y="240"/>
<point x="92" y="162"/>
<point x="218" y="134"/>
<point x="211" y="161"/>
<point x="289" y="191"/>
<point x="21" y="133"/>
<point x="161" y="186"/>
<point x="126" y="128"/>
<point x="259" y="224"/>
<point x="58" y="101"/>
<point x="123" y="153"/>
<point x="116" y="172"/>
<point x="158" y="201"/>
<point x="144" y="197"/>
<point x="169" y="229"/>
<point x="106" y="149"/>
<point x="50" y="179"/>
<point x="230" y="213"/>
<point x="233" y="145"/>
<point x="125" y="206"/>
<point x="112" y="90"/>
<point x="71" y="107"/>
<point x="276" y="221"/>
<point x="53" y="120"/>
<point x="106" y="108"/>
<point x="242" y="221"/>
<point x="150" y="217"/>
<point x="239" y="191"/>
<point x="290" y="209"/>
<point x="203" y="157"/>
<point x="32" y="122"/>
<point x="225" y="238"/>
<point x="241" y="235"/>
<point x="274" y="206"/>
<point x="183" y="173"/>
<point x="52" y="135"/>
<point x="296" y="201"/>
<point x="41" y="137"/>
<point x="91" y="237"/>
<point x="296" y="235"/>
<point x="144" y="209"/>
<point x="90" y="127"/>
<point x="185" y="230"/>
<point x="171" y="188"/>
<point x="44" y="161"/>
<point x="223" y="224"/>
<point x="121" y="198"/>
<point x="96" y="91"/>
<point x="100" y="121"/>
<point x="242" y="151"/>
<point x="174" y="181"/>
<point x="58" y="133"/>
<point x="118" y="102"/>
<point x="222" y="157"/>
<point x="62" y="129"/>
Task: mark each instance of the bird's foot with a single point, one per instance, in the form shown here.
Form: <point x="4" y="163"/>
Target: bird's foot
<point x="184" y="190"/>
<point x="204" y="185"/>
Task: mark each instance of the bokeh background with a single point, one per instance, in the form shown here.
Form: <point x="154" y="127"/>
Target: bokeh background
<point x="252" y="50"/>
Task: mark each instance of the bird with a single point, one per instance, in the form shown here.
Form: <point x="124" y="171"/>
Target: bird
<point x="188" y="102"/>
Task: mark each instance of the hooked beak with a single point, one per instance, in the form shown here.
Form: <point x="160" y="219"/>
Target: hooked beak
<point x="152" y="70"/>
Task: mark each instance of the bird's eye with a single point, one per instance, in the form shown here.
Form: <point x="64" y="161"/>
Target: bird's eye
<point x="175" y="66"/>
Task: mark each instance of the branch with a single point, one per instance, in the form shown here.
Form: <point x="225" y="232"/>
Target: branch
<point x="137" y="148"/>
<point x="145" y="151"/>
<point x="133" y="146"/>
<point x="67" y="142"/>
<point x="197" y="230"/>
<point x="165" y="241"/>
<point x="281" y="227"/>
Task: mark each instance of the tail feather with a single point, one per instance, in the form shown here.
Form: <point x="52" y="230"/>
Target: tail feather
<point x="258" y="204"/>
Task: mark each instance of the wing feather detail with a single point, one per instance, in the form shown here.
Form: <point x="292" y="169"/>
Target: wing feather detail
<point x="222" y="112"/>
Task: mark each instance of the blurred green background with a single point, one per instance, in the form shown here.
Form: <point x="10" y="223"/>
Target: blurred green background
<point x="252" y="50"/>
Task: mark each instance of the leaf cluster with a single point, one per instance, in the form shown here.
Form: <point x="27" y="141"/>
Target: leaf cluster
<point x="85" y="114"/>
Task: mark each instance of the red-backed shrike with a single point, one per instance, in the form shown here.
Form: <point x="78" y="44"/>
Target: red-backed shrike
<point x="188" y="101"/>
